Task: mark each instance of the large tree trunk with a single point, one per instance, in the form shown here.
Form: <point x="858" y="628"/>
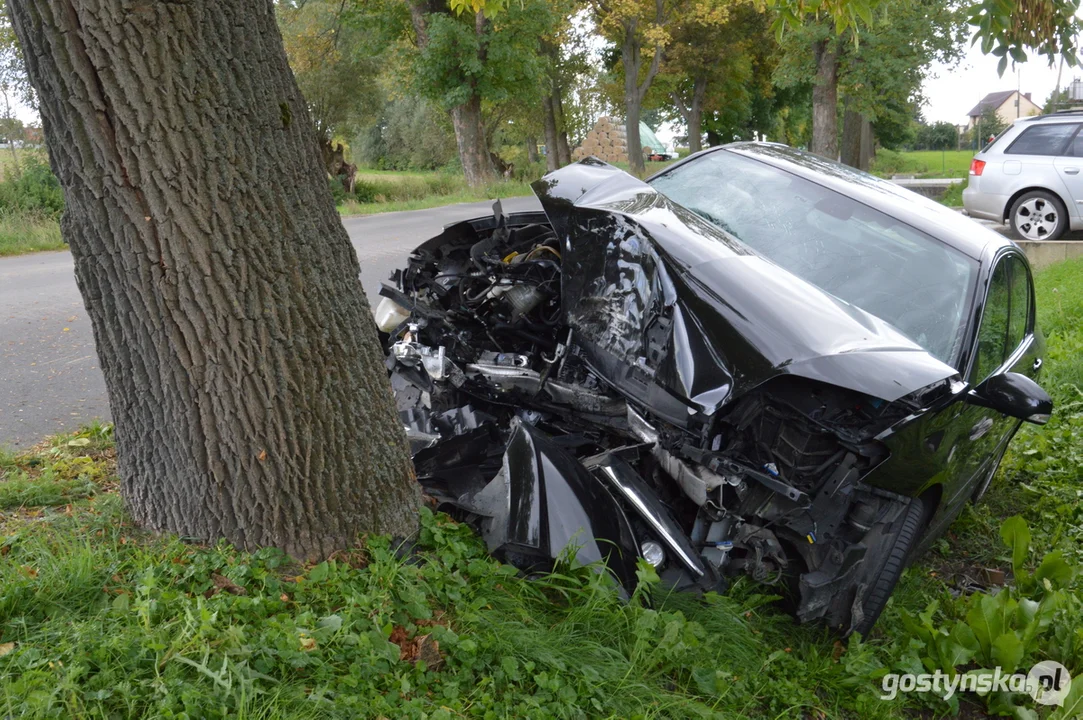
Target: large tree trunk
<point x="868" y="145"/>
<point x="825" y="98"/>
<point x="850" y="151"/>
<point x="239" y="350"/>
<point x="549" y="123"/>
<point x="635" y="91"/>
<point x="564" y="150"/>
<point x="532" y="149"/>
<point x="632" y="99"/>
<point x="692" y="113"/>
<point x="470" y="138"/>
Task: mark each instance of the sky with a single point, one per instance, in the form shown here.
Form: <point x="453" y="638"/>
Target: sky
<point x="951" y="91"/>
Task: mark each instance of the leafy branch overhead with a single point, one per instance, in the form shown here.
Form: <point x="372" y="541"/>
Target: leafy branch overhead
<point x="1011" y="28"/>
<point x="1005" y="28"/>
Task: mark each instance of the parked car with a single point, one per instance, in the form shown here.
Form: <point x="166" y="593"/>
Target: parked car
<point x="757" y="362"/>
<point x="1030" y="176"/>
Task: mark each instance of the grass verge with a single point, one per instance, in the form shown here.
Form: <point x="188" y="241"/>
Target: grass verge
<point x="28" y="232"/>
<point x="101" y="619"/>
<point x="428" y="192"/>
<point x="922" y="163"/>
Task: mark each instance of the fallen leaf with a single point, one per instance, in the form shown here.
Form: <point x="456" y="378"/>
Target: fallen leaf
<point x="838" y="650"/>
<point x="78" y="442"/>
<point x="29" y="571"/>
<point x="67" y="329"/>
<point x="6" y="648"/>
<point x="308" y="644"/>
<point x="423" y="647"/>
<point x="224" y="583"/>
<point x="262" y="455"/>
<point x="284" y="597"/>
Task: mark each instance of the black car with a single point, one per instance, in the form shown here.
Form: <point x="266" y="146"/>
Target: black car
<point x="756" y="362"/>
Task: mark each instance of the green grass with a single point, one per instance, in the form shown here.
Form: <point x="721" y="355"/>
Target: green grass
<point x="101" y="619"/>
<point x="418" y="192"/>
<point x="922" y="163"/>
<point x="27" y="232"/>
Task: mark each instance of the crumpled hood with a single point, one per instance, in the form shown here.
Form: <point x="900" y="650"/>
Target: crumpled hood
<point x="650" y="284"/>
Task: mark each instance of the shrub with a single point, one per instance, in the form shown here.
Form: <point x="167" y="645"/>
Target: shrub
<point x="32" y="188"/>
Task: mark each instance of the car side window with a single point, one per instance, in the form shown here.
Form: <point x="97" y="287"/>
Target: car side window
<point x="1019" y="310"/>
<point x="1075" y="148"/>
<point x="1050" y="139"/>
<point x="992" y="345"/>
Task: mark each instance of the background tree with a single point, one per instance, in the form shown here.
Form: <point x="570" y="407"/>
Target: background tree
<point x="938" y="136"/>
<point x="708" y="68"/>
<point x="1057" y="100"/>
<point x="987" y="125"/>
<point x="409" y="133"/>
<point x="334" y="69"/>
<point x="641" y="29"/>
<point x="465" y="59"/>
<point x="14" y="86"/>
<point x="239" y="351"/>
<point x="871" y="75"/>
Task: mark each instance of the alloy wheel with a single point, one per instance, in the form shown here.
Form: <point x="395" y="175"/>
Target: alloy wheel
<point x="1036" y="219"/>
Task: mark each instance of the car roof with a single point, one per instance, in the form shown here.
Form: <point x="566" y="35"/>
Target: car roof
<point x="1059" y="116"/>
<point x="928" y="216"/>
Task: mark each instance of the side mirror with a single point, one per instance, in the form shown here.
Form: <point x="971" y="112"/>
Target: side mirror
<point x="1014" y="395"/>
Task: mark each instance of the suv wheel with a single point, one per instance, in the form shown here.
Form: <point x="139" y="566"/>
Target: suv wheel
<point x="1038" y="215"/>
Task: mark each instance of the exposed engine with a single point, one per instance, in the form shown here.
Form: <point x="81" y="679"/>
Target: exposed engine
<point x="482" y="358"/>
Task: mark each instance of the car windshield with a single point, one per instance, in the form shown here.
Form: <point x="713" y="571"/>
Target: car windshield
<point x="842" y="246"/>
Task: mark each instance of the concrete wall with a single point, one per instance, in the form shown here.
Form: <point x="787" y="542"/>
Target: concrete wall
<point x="1044" y="253"/>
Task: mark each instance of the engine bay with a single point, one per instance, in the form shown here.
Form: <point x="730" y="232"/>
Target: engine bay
<point x="517" y="428"/>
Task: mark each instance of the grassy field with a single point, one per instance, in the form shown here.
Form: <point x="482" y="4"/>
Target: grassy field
<point x="922" y="163"/>
<point x="26" y="232"/>
<point x="392" y="191"/>
<point x="100" y="619"/>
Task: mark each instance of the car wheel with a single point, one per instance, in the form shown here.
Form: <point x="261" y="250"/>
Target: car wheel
<point x="1038" y="215"/>
<point x="884" y="582"/>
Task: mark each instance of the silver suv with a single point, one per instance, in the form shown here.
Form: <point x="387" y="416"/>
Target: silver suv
<point x="1030" y="176"/>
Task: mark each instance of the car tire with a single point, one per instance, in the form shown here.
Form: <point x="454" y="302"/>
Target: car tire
<point x="884" y="582"/>
<point x="1038" y="215"/>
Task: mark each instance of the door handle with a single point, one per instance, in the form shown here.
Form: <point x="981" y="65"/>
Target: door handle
<point x="1071" y="171"/>
<point x="1038" y="364"/>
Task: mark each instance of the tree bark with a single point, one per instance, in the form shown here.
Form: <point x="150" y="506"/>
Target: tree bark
<point x="634" y="90"/>
<point x="552" y="147"/>
<point x="239" y="351"/>
<point x="692" y="113"/>
<point x="851" y="137"/>
<point x="531" y="149"/>
<point x="868" y="145"/>
<point x="564" y="150"/>
<point x="470" y="139"/>
<point x="470" y="136"/>
<point x="825" y="98"/>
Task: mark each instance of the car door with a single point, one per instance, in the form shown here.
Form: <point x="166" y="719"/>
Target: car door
<point x="1069" y="167"/>
<point x="1005" y="342"/>
<point x="1031" y="161"/>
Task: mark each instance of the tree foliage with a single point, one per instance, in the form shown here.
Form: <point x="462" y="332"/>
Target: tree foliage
<point x="328" y="59"/>
<point x="937" y="136"/>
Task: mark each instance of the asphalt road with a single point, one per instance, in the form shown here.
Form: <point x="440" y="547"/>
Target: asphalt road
<point x="49" y="375"/>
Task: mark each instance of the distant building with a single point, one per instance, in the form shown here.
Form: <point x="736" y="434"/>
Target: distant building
<point x="1010" y="106"/>
<point x="33" y="135"/>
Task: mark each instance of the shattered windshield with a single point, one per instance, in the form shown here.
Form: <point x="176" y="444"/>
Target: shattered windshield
<point x="846" y="248"/>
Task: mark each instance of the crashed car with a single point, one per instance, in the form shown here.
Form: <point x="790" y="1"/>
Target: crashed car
<point x="757" y="362"/>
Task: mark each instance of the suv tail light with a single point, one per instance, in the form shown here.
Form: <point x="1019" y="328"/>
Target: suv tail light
<point x="976" y="166"/>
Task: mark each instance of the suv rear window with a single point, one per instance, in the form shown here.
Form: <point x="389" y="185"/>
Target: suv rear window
<point x="1043" y="139"/>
